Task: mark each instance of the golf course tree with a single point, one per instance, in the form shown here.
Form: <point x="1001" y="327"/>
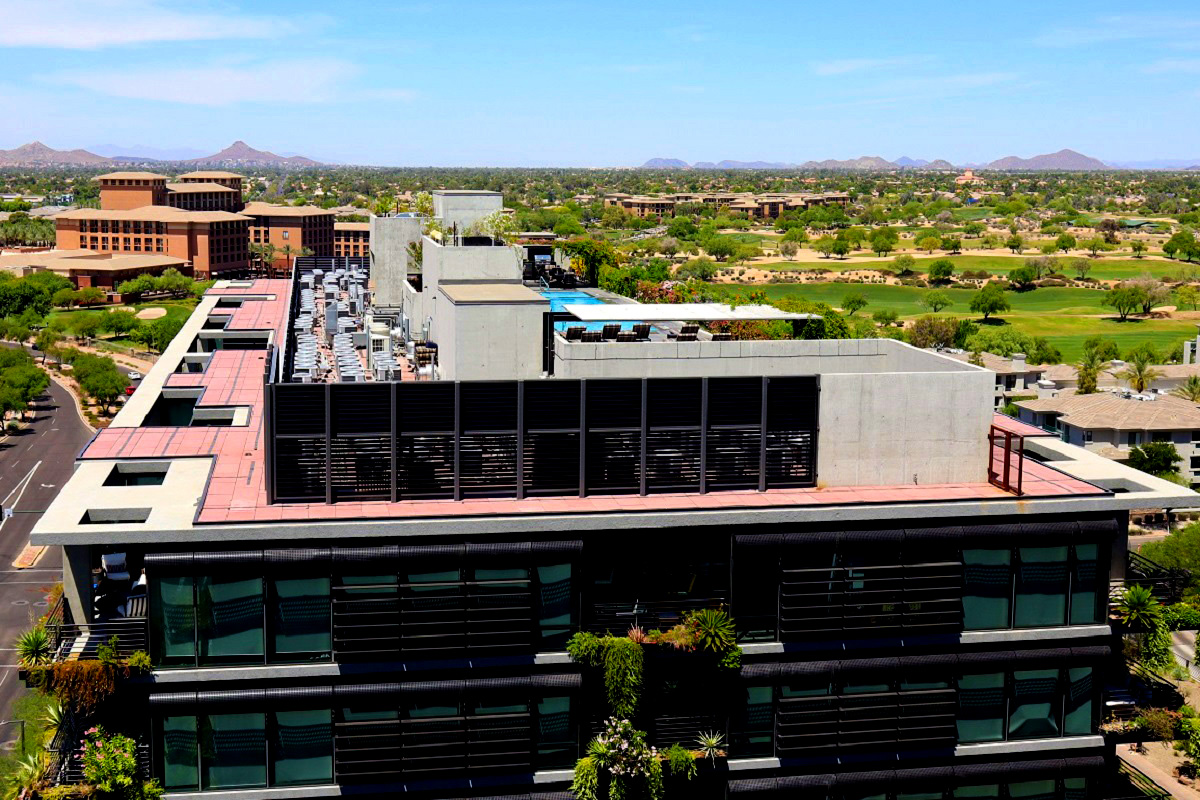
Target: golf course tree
<point x="935" y="300"/>
<point x="854" y="301"/>
<point x="989" y="300"/>
<point x="1065" y="242"/>
<point x="1124" y="300"/>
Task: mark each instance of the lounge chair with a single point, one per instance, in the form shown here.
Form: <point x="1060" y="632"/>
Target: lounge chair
<point x="722" y="337"/>
<point x="642" y="330"/>
<point x="575" y="333"/>
<point x="627" y="336"/>
<point x="687" y="337"/>
<point x="689" y="329"/>
<point x="592" y="336"/>
<point x="611" y="329"/>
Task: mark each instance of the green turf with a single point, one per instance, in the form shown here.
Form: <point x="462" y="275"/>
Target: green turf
<point x="1065" y="316"/>
<point x="1108" y="268"/>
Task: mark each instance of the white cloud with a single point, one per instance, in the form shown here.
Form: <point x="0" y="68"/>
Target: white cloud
<point x="1164" y="28"/>
<point x="283" y="81"/>
<point x="843" y="66"/>
<point x="951" y="83"/>
<point x="92" y="24"/>
<point x="1176" y="65"/>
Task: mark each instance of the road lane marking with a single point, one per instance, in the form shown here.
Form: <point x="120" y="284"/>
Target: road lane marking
<point x="24" y="484"/>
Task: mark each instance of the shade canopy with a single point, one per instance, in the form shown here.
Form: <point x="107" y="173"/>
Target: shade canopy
<point x="672" y="312"/>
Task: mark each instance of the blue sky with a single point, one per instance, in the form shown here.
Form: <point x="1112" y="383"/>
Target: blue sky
<point x="597" y="84"/>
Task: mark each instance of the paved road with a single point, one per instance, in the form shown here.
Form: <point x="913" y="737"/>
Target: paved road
<point x="34" y="464"/>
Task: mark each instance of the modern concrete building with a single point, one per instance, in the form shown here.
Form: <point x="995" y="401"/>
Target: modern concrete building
<point x="85" y="268"/>
<point x="1113" y="422"/>
<point x="367" y="534"/>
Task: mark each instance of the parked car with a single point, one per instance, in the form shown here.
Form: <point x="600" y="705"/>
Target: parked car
<point x="134" y="375"/>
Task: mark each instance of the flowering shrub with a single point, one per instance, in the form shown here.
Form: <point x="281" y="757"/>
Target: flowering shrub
<point x="110" y="761"/>
<point x="633" y="765"/>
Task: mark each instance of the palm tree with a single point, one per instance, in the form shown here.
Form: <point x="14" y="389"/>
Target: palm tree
<point x="1140" y="374"/>
<point x="1190" y="390"/>
<point x="1088" y="369"/>
<point x="1139" y="608"/>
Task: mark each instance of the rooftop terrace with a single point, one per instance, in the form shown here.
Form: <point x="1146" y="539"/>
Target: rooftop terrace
<point x="221" y="476"/>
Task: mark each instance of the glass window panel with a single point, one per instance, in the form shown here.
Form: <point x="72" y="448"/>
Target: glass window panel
<point x="233" y="751"/>
<point x="987" y="589"/>
<point x="181" y="767"/>
<point x="447" y="576"/>
<point x="303" y="748"/>
<point x="555" y="610"/>
<point x="913" y="684"/>
<point x="1084" y="585"/>
<point x="230" y="619"/>
<point x="501" y="574"/>
<point x="1032" y="790"/>
<point x="1075" y="789"/>
<point x="432" y="710"/>
<point x="1080" y="697"/>
<point x="173" y="620"/>
<point x="865" y="688"/>
<point x="918" y="796"/>
<point x="990" y="791"/>
<point x="368" y="580"/>
<point x="753" y="733"/>
<point x="813" y="687"/>
<point x="1034" y="712"/>
<point x="484" y="708"/>
<point x="556" y="746"/>
<point x="370" y="715"/>
<point x="302" y="616"/>
<point x="1041" y="587"/>
<point x="981" y="706"/>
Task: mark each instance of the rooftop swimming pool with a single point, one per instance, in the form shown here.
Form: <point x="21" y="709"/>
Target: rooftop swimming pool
<point x="558" y="299"/>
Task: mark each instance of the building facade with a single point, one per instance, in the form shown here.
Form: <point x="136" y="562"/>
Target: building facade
<point x="292" y="230"/>
<point x="1114" y="422"/>
<point x="215" y="243"/>
<point x="351" y="239"/>
<point x="367" y="585"/>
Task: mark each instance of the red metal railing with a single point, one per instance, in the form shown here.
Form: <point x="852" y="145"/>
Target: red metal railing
<point x="1006" y="460"/>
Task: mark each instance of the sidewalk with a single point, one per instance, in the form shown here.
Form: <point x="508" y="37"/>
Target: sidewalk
<point x="1168" y="782"/>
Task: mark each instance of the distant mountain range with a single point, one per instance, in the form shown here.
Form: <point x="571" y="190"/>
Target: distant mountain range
<point x="238" y="154"/>
<point x="1063" y="161"/>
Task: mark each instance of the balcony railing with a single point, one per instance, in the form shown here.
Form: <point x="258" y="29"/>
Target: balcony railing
<point x="79" y="641"/>
<point x="1166" y="583"/>
<point x="1138" y="780"/>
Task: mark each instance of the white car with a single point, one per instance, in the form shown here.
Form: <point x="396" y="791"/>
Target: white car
<point x="134" y="375"/>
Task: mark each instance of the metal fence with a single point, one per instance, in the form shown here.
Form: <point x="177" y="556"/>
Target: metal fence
<point x="459" y="440"/>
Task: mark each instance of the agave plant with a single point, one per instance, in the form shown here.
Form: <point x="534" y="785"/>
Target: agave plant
<point x="710" y="743"/>
<point x="1139" y="608"/>
<point x="53" y="717"/>
<point x="714" y="630"/>
<point x="33" y="647"/>
<point x="28" y="773"/>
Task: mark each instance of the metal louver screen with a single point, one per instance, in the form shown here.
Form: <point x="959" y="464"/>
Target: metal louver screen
<point x="441" y="440"/>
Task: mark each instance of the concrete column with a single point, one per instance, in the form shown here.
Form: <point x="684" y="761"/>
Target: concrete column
<point x="77" y="581"/>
